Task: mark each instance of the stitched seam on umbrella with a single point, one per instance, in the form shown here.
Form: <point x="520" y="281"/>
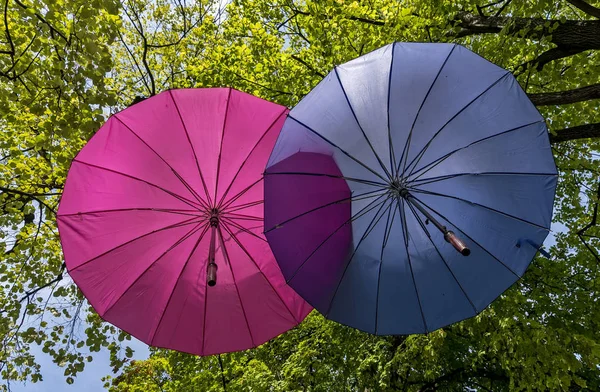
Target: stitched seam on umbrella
<point x="191" y="146"/>
<point x="237" y="289"/>
<point x="240" y="194"/>
<point x="466" y="235"/>
<point x="239" y="227"/>
<point x="177" y="243"/>
<point x="439" y="160"/>
<point x="412" y="274"/>
<point x="238" y="242"/>
<point x="431" y="180"/>
<point x="221" y="147"/>
<point x="321" y="207"/>
<point x="352" y="218"/>
<point x="386" y="235"/>
<point x="248" y="157"/>
<point x="407" y="143"/>
<point x="169" y="211"/>
<point x="352" y="179"/>
<point x="481" y="206"/>
<point x="420" y="154"/>
<point x="243" y="206"/>
<point x="360" y="126"/>
<point x="178" y="224"/>
<point x="177" y="282"/>
<point x="336" y="146"/>
<point x="244" y="217"/>
<point x="162" y="159"/>
<point x="443" y="260"/>
<point x="391" y="144"/>
<point x="365" y="234"/>
<point x="176" y="196"/>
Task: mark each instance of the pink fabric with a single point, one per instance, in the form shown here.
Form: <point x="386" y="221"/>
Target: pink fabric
<point x="134" y="222"/>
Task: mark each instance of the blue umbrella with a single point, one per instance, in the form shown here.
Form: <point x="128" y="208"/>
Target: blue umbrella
<point x="409" y="189"/>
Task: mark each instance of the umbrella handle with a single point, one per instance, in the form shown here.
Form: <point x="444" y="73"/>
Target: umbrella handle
<point x="211" y="274"/>
<point x="449" y="236"/>
<point x="457" y="243"/>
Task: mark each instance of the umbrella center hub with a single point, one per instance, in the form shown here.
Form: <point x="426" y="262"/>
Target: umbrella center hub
<point x="214" y="217"/>
<point x="397" y="188"/>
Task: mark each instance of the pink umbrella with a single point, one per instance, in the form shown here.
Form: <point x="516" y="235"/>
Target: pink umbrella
<point x="167" y="192"/>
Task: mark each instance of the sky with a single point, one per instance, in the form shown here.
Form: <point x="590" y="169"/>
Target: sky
<point x="89" y="380"/>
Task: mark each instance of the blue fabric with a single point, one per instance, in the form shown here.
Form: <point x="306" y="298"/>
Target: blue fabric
<point x="462" y="136"/>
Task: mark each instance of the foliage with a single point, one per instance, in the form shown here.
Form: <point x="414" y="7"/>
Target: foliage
<point x="65" y="66"/>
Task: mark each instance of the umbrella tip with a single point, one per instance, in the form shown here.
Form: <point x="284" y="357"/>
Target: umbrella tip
<point x="465" y="251"/>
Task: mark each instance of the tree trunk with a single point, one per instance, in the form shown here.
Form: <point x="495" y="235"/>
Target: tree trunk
<point x="566" y="97"/>
<point x="585" y="131"/>
<point x="568" y="35"/>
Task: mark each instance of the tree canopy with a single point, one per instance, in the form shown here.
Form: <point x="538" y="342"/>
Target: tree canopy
<point x="65" y="66"/>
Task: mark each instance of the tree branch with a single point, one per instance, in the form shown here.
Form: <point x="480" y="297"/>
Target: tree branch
<point x="140" y="29"/>
<point x="7" y="31"/>
<point x="585" y="7"/>
<point x="44" y="21"/>
<point x="298" y="59"/>
<point x="566" y="97"/>
<point x="31" y="292"/>
<point x="553" y="54"/>
<point x="586" y="131"/>
<point x="31" y="196"/>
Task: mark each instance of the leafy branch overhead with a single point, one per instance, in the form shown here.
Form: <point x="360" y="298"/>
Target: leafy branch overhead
<point x="66" y="65"/>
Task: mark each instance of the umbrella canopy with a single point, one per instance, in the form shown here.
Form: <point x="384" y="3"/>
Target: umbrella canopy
<point x="394" y="168"/>
<point x="167" y="192"/>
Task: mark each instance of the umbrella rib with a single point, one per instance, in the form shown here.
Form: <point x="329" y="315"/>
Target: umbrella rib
<point x="236" y="289"/>
<point x="370" y="194"/>
<point x="191" y="146"/>
<point x="430" y="180"/>
<point x="170" y="211"/>
<point x="442" y="257"/>
<point x="240" y="194"/>
<point x="219" y="204"/>
<point x="436" y="162"/>
<point x="221" y="147"/>
<point x="244" y="217"/>
<point x="177" y="282"/>
<point x="386" y="235"/>
<point x="377" y="297"/>
<point x="162" y="159"/>
<point x="469" y="237"/>
<point x="194" y="230"/>
<point x="192" y="191"/>
<point x="388" y="231"/>
<point x="174" y="225"/>
<point x="391" y="144"/>
<point x="354" y="217"/>
<point x="176" y="196"/>
<point x="402" y="212"/>
<point x="239" y="243"/>
<point x="408" y="140"/>
<point x="387" y="172"/>
<point x="241" y="228"/>
<point x="338" y="147"/>
<point x="368" y="230"/>
<point x="351" y="179"/>
<point x="244" y="206"/>
<point x="479" y="205"/>
<point x="421" y="153"/>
